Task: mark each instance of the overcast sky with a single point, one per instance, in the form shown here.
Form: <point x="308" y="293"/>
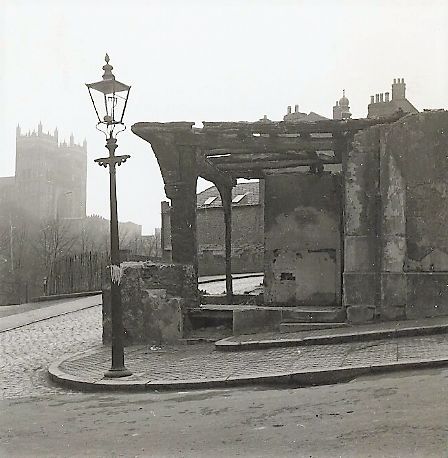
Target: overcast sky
<point x="202" y="60"/>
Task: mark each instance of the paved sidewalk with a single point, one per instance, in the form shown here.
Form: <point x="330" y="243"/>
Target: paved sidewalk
<point x="16" y="316"/>
<point x="201" y="366"/>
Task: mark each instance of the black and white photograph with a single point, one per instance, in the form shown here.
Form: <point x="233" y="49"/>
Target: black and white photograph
<point x="224" y="228"/>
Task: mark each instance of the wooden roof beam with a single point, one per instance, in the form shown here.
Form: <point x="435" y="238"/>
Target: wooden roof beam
<point x="260" y="165"/>
<point x="241" y="158"/>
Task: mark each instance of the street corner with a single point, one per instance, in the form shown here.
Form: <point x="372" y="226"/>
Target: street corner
<point x="200" y="366"/>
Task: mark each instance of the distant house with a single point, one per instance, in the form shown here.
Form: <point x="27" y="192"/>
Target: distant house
<point x="247" y="230"/>
<point x="381" y="105"/>
<point x="298" y="116"/>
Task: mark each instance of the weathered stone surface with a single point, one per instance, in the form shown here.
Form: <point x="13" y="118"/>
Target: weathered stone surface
<point x="361" y="289"/>
<point x="360" y="253"/>
<point x="393" y="193"/>
<point x="361" y="183"/>
<point x="177" y="279"/>
<point x="154" y="298"/>
<point x="394" y="253"/>
<point x="361" y="245"/>
<point x="392" y="313"/>
<point x="253" y="320"/>
<point x="427" y="294"/>
<point x="360" y="314"/>
<point x="418" y="146"/>
<point x="302" y="239"/>
<point x="393" y="289"/>
<point x="402" y="238"/>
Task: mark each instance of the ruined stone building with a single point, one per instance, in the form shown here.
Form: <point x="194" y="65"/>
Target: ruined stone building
<point x="50" y="177"/>
<point x="247" y="230"/>
<point x="354" y="212"/>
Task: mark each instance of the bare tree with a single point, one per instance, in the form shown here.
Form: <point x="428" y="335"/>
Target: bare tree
<point x="54" y="240"/>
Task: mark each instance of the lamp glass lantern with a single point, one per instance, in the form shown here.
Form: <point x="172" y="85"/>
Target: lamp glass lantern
<point x="109" y="98"/>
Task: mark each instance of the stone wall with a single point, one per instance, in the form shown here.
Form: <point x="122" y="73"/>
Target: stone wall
<point x="396" y="242"/>
<point x="303" y="239"/>
<point x="155" y="297"/>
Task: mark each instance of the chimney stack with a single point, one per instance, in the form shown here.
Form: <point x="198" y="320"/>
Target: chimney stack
<point x="398" y="89"/>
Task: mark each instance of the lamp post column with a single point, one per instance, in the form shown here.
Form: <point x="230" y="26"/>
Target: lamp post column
<point x="118" y="368"/>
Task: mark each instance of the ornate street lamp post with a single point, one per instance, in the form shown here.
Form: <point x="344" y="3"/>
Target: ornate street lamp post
<point x="110" y="97"/>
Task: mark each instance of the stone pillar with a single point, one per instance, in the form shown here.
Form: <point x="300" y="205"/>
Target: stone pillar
<point x="361" y="213"/>
<point x="393" y="234"/>
<point x="165" y="231"/>
<point x="226" y="199"/>
<point x="183" y="221"/>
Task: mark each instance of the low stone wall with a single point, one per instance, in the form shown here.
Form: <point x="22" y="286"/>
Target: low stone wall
<point x="154" y="298"/>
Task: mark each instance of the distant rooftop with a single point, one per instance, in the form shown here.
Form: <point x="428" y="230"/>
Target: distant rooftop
<point x="242" y="194"/>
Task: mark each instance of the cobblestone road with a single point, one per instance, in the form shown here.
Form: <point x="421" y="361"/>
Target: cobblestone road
<point x="26" y="352"/>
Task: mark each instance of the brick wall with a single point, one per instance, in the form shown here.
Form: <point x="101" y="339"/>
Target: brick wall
<point x="247" y="240"/>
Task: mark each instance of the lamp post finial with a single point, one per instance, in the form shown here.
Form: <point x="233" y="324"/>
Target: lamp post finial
<point x="108" y="75"/>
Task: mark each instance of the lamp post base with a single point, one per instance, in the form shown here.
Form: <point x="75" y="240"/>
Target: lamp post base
<point x="116" y="373"/>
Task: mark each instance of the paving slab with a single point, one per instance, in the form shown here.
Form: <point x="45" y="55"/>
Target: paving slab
<point x="352" y="333"/>
<point x="201" y="366"/>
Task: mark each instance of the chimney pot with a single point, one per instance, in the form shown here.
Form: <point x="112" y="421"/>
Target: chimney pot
<point x="296" y="108"/>
<point x="289" y="109"/>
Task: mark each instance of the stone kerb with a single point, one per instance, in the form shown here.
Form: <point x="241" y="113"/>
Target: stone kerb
<point x="154" y="299"/>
